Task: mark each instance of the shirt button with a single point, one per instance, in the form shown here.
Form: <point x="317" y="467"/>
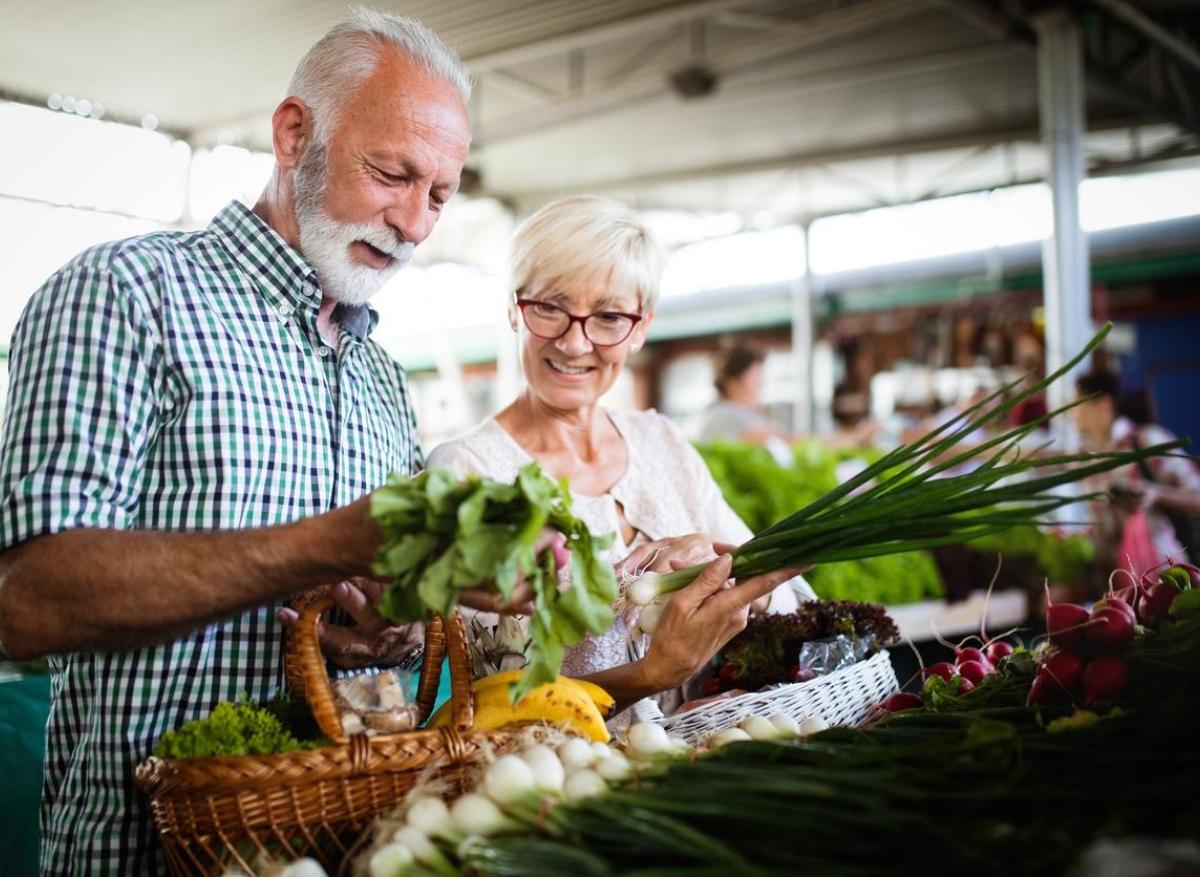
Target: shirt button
<point x="324" y="352"/>
<point x="285" y="311"/>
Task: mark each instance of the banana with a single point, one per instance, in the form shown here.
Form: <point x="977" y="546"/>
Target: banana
<point x="602" y="699"/>
<point x="560" y="702"/>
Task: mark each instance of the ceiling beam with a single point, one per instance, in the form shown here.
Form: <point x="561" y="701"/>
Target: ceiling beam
<point x="1100" y="81"/>
<point x="1153" y="31"/>
<point x="743" y="55"/>
<point x="600" y="33"/>
<point x="1022" y="132"/>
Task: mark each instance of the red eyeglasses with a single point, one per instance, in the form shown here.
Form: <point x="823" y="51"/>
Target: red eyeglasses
<point x="550" y="322"/>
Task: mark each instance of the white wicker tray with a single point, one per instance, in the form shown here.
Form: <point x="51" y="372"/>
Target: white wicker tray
<point x="841" y="698"/>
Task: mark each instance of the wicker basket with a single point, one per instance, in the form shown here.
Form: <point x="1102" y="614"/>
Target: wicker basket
<point x="215" y="814"/>
<point x="841" y="698"/>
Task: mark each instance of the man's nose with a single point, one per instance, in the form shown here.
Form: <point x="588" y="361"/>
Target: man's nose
<point x="410" y="216"/>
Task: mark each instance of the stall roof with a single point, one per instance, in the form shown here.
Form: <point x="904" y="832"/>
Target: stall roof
<point x="817" y="106"/>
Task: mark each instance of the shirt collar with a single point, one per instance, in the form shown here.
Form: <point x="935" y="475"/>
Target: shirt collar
<point x="283" y="276"/>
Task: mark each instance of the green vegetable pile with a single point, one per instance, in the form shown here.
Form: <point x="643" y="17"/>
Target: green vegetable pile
<point x="1061" y="559"/>
<point x="446" y="535"/>
<point x="989" y="787"/>
<point x="762" y="493"/>
<point x="232" y="729"/>
<point x="765" y="652"/>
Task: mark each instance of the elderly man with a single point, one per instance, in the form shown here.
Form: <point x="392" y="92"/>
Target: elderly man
<point x="194" y="420"/>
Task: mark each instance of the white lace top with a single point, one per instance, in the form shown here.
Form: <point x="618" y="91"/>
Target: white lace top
<point x="666" y="491"/>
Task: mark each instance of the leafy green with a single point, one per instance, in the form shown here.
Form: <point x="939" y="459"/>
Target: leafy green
<point x="445" y="535"/>
<point x="765" y="652"/>
<point x="231" y="729"/>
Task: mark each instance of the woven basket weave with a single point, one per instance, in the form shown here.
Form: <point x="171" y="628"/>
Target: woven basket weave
<point x="214" y="814"/>
<point x="844" y="697"/>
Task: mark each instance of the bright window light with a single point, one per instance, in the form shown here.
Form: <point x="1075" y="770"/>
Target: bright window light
<point x="223" y="174"/>
<point x="79" y="162"/>
<point x="998" y="218"/>
<point x="746" y="259"/>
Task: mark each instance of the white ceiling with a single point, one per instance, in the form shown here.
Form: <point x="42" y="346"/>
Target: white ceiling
<point x="814" y="101"/>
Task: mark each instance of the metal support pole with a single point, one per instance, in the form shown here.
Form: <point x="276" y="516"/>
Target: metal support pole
<point x="1065" y="254"/>
<point x="802" y="342"/>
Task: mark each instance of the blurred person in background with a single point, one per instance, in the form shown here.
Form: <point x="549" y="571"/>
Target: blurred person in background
<point x="736" y="415"/>
<point x="1149" y="510"/>
<point x="585" y="279"/>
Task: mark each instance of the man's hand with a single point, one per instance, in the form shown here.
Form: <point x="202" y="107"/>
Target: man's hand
<point x="372" y="640"/>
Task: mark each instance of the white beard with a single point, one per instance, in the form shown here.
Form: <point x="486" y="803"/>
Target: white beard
<point x="325" y="242"/>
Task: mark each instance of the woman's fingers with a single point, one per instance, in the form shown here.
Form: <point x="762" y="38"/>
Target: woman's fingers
<point x="746" y="592"/>
<point x="640" y="557"/>
<point x="708" y="582"/>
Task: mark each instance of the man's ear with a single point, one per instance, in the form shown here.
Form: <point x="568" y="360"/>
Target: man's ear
<point x="291" y="131"/>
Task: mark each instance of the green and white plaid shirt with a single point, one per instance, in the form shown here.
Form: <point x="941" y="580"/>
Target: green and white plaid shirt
<point x="177" y="381"/>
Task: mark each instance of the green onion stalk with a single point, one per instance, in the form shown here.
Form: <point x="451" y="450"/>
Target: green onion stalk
<point x="907" y="501"/>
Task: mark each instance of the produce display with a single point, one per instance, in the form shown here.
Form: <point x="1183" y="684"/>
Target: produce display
<point x="445" y="535"/>
<point x="763" y="492"/>
<point x="976" y="779"/>
<point x="765" y="653"/>
<point x="908" y="500"/>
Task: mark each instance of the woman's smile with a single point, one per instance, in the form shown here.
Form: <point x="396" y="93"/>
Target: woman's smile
<point x="569" y="371"/>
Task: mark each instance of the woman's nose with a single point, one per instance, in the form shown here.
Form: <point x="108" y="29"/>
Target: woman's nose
<point x="574" y="342"/>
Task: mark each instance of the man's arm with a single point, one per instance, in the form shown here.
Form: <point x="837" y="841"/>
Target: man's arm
<point x="88" y="588"/>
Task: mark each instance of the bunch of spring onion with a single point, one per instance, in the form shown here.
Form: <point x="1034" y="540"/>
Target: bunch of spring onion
<point x="907" y="501"/>
<point x="924" y="793"/>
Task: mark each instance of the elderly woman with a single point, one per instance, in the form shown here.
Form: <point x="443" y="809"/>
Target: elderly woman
<point x="585" y="276"/>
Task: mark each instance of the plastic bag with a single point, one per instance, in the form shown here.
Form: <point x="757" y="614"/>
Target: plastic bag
<point x="822" y="656"/>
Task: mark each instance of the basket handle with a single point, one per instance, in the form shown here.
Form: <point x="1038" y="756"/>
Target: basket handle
<point x="308" y="677"/>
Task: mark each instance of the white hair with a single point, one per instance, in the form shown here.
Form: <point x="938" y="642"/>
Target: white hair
<point x="350" y="52"/>
<point x="586" y="239"/>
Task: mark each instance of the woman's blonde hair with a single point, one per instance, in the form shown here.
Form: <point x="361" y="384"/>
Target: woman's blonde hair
<point x="586" y="239"/>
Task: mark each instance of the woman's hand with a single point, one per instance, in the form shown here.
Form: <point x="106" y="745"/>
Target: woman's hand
<point x="658" y="555"/>
<point x="677" y="552"/>
<point x="700" y="619"/>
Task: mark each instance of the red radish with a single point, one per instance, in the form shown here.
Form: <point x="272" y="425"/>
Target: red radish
<point x="964" y="684"/>
<point x="973" y="671"/>
<point x="1154" y="603"/>
<point x="962" y="656"/>
<point x="1109" y="630"/>
<point x="1064" y="623"/>
<point x="1045" y="690"/>
<point x="1105" y="678"/>
<point x="944" y="669"/>
<point x="998" y="649"/>
<point x="1121" y="606"/>
<point x="1064" y="670"/>
<point x="902" y="700"/>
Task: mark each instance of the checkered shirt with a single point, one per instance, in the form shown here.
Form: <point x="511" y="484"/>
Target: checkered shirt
<point x="177" y="381"/>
